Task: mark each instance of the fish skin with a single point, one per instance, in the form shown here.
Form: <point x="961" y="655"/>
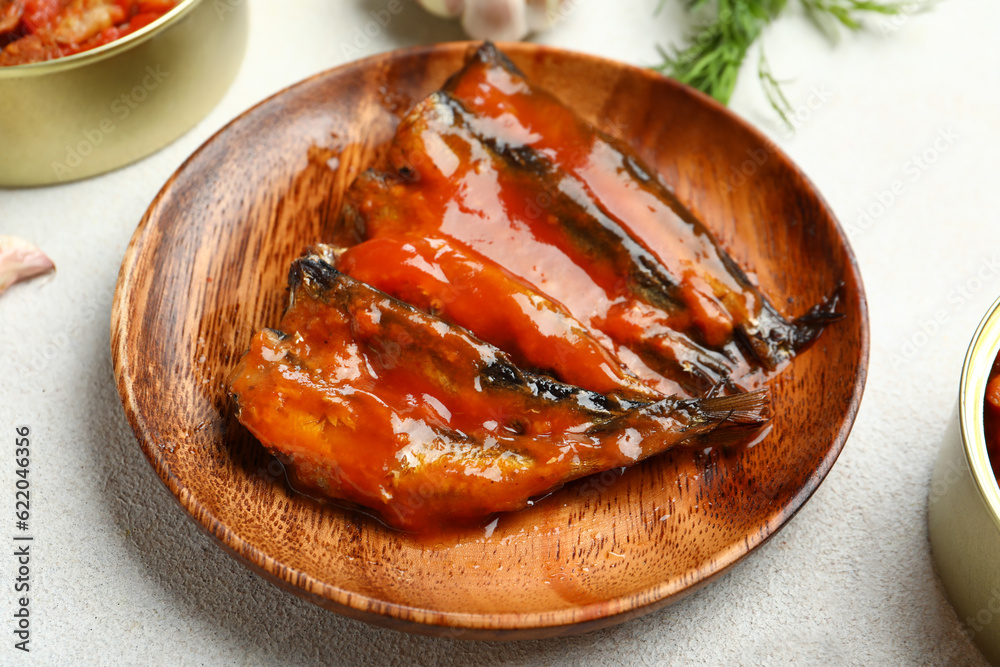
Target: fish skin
<point x="369" y="400"/>
<point x="490" y="78"/>
<point x="452" y="283"/>
<point x="591" y="235"/>
<point x="427" y="144"/>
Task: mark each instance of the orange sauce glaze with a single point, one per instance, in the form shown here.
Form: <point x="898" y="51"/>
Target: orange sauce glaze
<point x="38" y="30"/>
<point x="517" y="112"/>
<point x="381" y="405"/>
<point x="475" y="293"/>
<point x="991" y="417"/>
<point x="460" y="192"/>
<point x="393" y="408"/>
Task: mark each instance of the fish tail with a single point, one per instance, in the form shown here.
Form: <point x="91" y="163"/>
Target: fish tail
<point x="773" y="340"/>
<point x="703" y="422"/>
<point x="724" y="421"/>
<point x="808" y="327"/>
<point x="751" y="408"/>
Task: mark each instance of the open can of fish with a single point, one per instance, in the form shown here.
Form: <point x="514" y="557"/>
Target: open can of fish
<point x="964" y="503"/>
<point x="86" y="114"/>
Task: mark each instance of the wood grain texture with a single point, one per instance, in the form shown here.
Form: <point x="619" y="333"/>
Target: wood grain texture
<point x="207" y="267"/>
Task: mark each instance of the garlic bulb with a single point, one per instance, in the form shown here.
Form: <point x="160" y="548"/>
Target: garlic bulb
<point x="19" y="260"/>
<point x="500" y="20"/>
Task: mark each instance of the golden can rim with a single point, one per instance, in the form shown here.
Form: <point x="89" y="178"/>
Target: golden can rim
<point x="972" y="403"/>
<point x="108" y="50"/>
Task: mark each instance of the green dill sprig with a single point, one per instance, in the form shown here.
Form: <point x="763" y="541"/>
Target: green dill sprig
<point x="830" y="15"/>
<point x="716" y="49"/>
<point x="772" y="89"/>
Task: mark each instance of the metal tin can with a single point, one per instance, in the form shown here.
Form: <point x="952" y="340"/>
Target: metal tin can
<point x="963" y="514"/>
<point x="74" y="117"/>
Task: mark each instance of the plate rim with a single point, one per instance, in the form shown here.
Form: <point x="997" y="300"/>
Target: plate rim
<point x="467" y="625"/>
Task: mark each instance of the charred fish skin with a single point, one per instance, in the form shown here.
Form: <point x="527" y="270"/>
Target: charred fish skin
<point x="452" y="283"/>
<point x="448" y="433"/>
<point x="398" y="320"/>
<point x="769" y="337"/>
<point x="594" y="236"/>
<point x="774" y="341"/>
<point x="392" y="205"/>
<point x="593" y="233"/>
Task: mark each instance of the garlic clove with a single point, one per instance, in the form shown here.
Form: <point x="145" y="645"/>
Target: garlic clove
<point x="20" y="260"/>
<point x="499" y="20"/>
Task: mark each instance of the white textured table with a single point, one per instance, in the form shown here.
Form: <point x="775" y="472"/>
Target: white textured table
<point x="120" y="574"/>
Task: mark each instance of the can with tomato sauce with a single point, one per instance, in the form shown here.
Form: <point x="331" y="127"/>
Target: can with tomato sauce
<point x="88" y="113"/>
<point x="964" y="503"/>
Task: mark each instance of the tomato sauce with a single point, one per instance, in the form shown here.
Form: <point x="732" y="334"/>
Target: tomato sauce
<point x="34" y="31"/>
<point x="493" y="326"/>
<point x="991" y="417"/>
<point x="369" y="400"/>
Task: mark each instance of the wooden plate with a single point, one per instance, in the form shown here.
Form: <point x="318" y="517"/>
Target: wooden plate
<point x="207" y="267"/>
